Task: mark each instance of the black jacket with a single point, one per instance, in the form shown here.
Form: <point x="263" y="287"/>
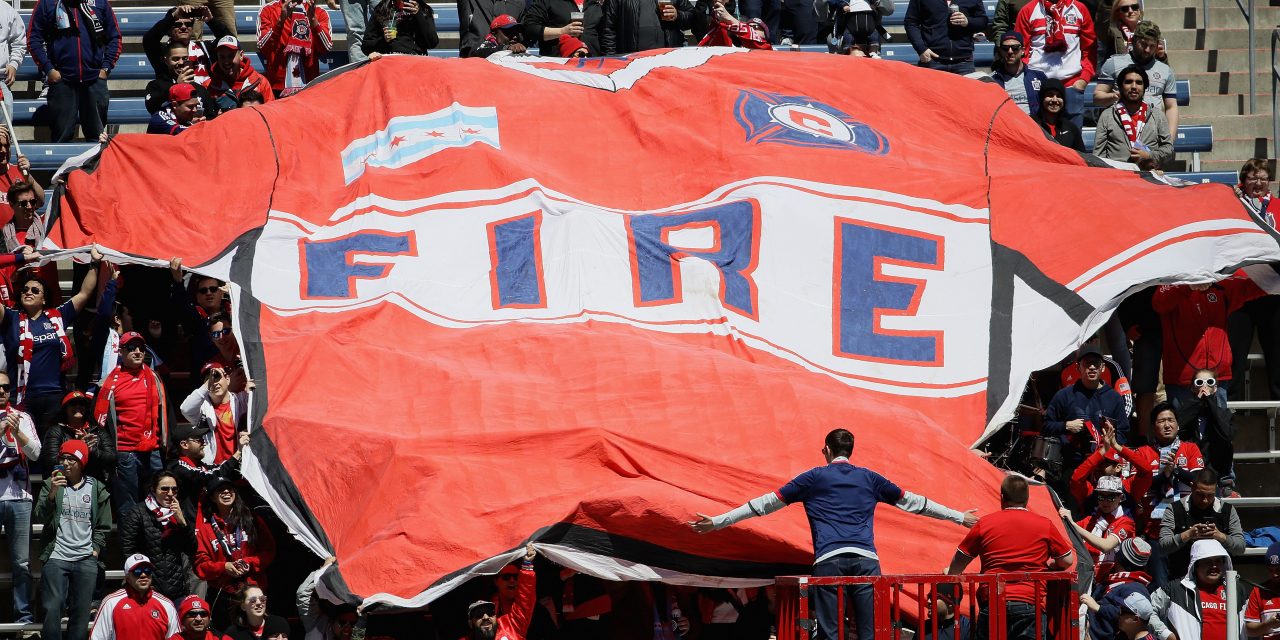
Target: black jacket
<point x="193" y="477"/>
<point x="140" y="532"/>
<point x="1064" y="132"/>
<point x="154" y="43"/>
<point x="620" y="31"/>
<point x="928" y="27"/>
<point x="475" y="16"/>
<point x="415" y="34"/>
<point x="555" y="13"/>
<point x="102" y="456"/>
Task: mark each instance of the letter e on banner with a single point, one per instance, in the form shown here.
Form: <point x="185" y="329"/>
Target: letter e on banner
<point x="865" y="294"/>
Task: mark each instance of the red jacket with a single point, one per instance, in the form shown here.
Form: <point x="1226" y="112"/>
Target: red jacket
<point x="271" y="43"/>
<point x="514" y="624"/>
<point x="1195" y="326"/>
<point x="247" y="79"/>
<point x="211" y="555"/>
<point x="126" y="616"/>
<point x="1082" y="480"/>
<point x="1147" y="458"/>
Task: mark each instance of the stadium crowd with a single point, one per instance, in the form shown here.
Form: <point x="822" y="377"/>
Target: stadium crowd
<point x="128" y="399"/>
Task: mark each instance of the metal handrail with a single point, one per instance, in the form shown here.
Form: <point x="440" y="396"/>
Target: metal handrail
<point x="1275" y="80"/>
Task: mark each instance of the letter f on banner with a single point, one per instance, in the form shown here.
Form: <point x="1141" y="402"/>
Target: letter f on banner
<point x="329" y="267"/>
<point x="865" y="294"/>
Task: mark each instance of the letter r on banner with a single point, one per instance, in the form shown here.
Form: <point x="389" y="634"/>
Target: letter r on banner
<point x="329" y="270"/>
<point x="734" y="249"/>
<point x="865" y="294"/>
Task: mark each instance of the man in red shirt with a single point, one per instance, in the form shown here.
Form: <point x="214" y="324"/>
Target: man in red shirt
<point x="1010" y="541"/>
<point x="135" y="612"/>
<point x="1262" y="613"/>
<point x="1193" y="318"/>
<point x="483" y="621"/>
<point x="1194" y="607"/>
<point x="193" y="611"/>
<point x="132" y="403"/>
<point x="1108" y="525"/>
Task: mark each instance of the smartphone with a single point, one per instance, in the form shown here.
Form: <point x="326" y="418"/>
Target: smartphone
<point x="59" y="470"/>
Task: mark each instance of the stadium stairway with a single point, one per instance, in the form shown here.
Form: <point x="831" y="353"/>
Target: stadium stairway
<point x="1215" y="61"/>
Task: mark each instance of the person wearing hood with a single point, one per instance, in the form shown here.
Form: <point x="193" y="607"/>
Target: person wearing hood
<point x="1052" y="115"/>
<point x="232" y="75"/>
<point x="1262" y="612"/>
<point x="1194" y="607"/>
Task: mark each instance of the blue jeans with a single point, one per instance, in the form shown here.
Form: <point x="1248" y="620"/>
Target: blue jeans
<point x="356" y="13"/>
<point x="768" y="10"/>
<point x="958" y="68"/>
<point x="1075" y="106"/>
<point x="133" y="478"/>
<point x="1021" y="618"/>
<point x="15" y="516"/>
<point x="70" y="585"/>
<point x="858" y="598"/>
<point x="88" y="100"/>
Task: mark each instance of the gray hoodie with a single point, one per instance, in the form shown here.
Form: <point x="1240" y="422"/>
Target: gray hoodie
<point x="1177" y="604"/>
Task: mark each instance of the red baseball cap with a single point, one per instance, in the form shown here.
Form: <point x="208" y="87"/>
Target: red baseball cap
<point x="503" y="21"/>
<point x="76" y="395"/>
<point x="134" y="335"/>
<point x="181" y="92"/>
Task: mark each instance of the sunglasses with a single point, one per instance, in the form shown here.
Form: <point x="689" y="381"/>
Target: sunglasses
<point x="1107" y="496"/>
<point x="219" y="334"/>
<point x="1206" y="382"/>
<point x="167" y="489"/>
<point x="139" y="572"/>
<point x="183" y="23"/>
<point x="198" y="614"/>
<point x="36" y="290"/>
<point x="256" y="600"/>
<point x="133" y="347"/>
<point x="1129" y="8"/>
<point x="1011" y="47"/>
<point x="25" y="204"/>
<point x="215" y="375"/>
<point x="206" y="289"/>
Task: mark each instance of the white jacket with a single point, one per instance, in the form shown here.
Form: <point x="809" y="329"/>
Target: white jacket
<point x="1177" y="604"/>
<point x="13" y="36"/>
<point x="198" y="409"/>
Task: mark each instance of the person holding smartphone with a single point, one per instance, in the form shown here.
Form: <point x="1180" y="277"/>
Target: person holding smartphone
<point x="233" y="546"/>
<point x="1199" y="516"/>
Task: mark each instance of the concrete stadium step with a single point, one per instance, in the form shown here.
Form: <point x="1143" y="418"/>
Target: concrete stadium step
<point x="1179" y="40"/>
<point x="1233" y="126"/>
<point x="1225" y="164"/>
<point x="1255" y="147"/>
<point x="1220" y="16"/>
<point x="1227" y="81"/>
<point x="1192" y="61"/>
<point x="1223" y="104"/>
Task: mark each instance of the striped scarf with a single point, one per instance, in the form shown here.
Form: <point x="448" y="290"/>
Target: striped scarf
<point x="106" y="395"/>
<point x="163" y="515"/>
<point x="1132" y="123"/>
<point x="1055" y="38"/>
<point x="27" y="345"/>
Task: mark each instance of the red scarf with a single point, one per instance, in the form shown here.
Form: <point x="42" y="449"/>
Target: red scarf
<point x="1128" y="36"/>
<point x="27" y="345"/>
<point x="1054" y="19"/>
<point x="297" y="31"/>
<point x="163" y="515"/>
<point x="1132" y="123"/>
<point x="10" y="454"/>
<point x="108" y="390"/>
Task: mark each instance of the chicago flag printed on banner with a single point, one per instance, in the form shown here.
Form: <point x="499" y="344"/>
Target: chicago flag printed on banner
<point x="617" y="292"/>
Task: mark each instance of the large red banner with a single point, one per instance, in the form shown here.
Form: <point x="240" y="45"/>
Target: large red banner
<point x="489" y="301"/>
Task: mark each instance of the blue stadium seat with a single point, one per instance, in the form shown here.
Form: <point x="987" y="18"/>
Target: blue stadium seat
<point x="983" y="52"/>
<point x="1191" y="139"/>
<point x="135" y="66"/>
<point x="48" y="156"/>
<point x="1208" y="177"/>
<point x="120" y="111"/>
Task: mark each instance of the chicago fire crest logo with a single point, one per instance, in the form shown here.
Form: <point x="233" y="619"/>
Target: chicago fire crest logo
<point x="803" y="122"/>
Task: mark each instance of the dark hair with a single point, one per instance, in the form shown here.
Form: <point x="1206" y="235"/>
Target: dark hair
<point x="1206" y="476"/>
<point x="174" y="44"/>
<point x="195" y="281"/>
<point x="237" y="602"/>
<point x="840" y="443"/>
<point x="249" y="96"/>
<point x="215" y="318"/>
<point x="18" y="188"/>
<point x="1133" y="68"/>
<point x="1159" y="409"/>
<point x="161" y="475"/>
<point x="32" y="276"/>
<point x="1014" y="491"/>
<point x="1254" y="164"/>
<point x="240" y="515"/>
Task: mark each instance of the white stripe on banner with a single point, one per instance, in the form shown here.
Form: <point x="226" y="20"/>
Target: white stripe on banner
<point x="408" y="139"/>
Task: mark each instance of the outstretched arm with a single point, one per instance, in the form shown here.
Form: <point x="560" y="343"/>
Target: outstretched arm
<point x="922" y="506"/>
<point x="1104" y="545"/>
<point x="762" y="506"/>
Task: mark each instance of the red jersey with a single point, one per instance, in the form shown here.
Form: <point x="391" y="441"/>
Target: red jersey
<point x="1264" y="605"/>
<point x="225" y="436"/>
<point x="123" y="614"/>
<point x="1105" y="525"/>
<point x="1195" y="326"/>
<point x="514" y="624"/>
<point x="1150" y="506"/>
<point x="133" y="395"/>
<point x="208" y="635"/>
<point x="1082" y="480"/>
<point x="1013" y="540"/>
<point x="1213" y="614"/>
<point x="7" y="179"/>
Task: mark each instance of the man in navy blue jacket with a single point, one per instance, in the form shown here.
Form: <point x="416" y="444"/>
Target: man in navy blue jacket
<point x="75" y="43"/>
<point x="941" y="32"/>
<point x="1077" y="414"/>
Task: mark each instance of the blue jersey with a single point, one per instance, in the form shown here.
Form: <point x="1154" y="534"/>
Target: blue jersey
<point x="46" y="357"/>
<point x="840" y="500"/>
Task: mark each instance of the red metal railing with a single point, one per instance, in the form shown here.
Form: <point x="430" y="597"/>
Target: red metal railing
<point x="906" y="602"/>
